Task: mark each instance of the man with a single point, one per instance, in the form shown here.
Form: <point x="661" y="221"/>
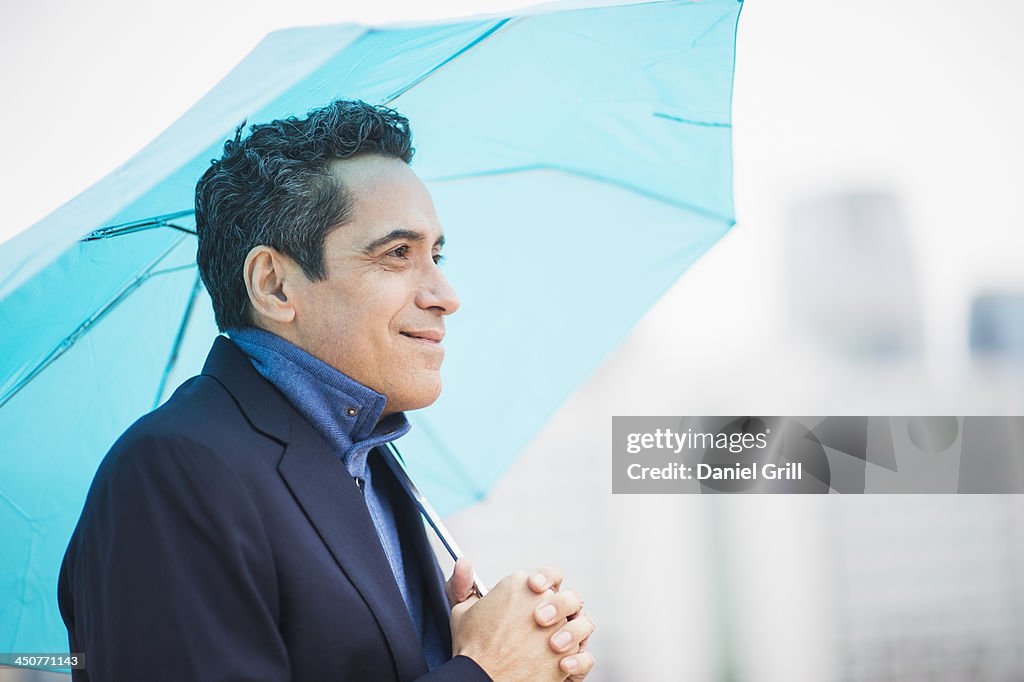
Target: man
<point x="249" y="529"/>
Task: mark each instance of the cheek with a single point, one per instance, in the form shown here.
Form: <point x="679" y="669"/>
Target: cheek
<point x="338" y="326"/>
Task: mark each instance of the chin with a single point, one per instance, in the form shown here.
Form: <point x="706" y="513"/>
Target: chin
<point x="418" y="397"/>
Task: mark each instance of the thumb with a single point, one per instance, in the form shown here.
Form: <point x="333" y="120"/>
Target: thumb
<point x="460" y="586"/>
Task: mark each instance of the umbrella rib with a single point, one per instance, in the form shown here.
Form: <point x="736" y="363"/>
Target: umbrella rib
<point x="690" y="121"/>
<point x="139" y="225"/>
<point x="95" y="317"/>
<point x="173" y="359"/>
<point x="510" y="21"/>
<point x="693" y="208"/>
<point x="135" y="228"/>
<point x="176" y="268"/>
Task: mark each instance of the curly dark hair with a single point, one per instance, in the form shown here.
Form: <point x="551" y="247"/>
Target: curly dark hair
<point x="275" y="187"/>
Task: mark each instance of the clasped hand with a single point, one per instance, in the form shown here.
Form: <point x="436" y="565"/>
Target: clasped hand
<point x="526" y="629"/>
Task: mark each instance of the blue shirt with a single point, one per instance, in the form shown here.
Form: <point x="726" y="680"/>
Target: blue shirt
<point x="348" y="416"/>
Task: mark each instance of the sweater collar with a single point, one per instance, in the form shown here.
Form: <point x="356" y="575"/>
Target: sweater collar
<point x="345" y="412"/>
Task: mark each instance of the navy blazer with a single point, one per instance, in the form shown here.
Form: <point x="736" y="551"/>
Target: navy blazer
<point x="222" y="540"/>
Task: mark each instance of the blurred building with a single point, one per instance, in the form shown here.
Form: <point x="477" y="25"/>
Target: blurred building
<point x="997" y="327"/>
<point x="929" y="588"/>
<point x="996" y="345"/>
<point x="850" y="280"/>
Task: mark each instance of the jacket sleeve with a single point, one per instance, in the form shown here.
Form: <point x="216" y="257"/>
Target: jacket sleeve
<point x="459" y="669"/>
<point x="169" y="575"/>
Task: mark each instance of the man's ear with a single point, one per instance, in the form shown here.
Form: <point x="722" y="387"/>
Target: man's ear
<point x="269" y="278"/>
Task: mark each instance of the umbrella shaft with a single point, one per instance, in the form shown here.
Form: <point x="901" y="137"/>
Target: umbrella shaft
<point x="428" y="512"/>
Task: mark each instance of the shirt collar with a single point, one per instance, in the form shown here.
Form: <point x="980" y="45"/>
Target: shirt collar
<point x="344" y="411"/>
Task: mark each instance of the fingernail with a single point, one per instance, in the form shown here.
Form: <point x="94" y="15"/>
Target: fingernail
<point x="570" y="663"/>
<point x="546" y="613"/>
<point x="538" y="580"/>
<point x="561" y="640"/>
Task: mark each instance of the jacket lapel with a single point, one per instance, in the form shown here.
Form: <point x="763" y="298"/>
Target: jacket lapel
<point x="336" y="508"/>
<point x="437" y="600"/>
<point x="427" y="569"/>
<point x="329" y="497"/>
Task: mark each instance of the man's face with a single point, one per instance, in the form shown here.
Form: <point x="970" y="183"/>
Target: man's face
<point x="379" y="314"/>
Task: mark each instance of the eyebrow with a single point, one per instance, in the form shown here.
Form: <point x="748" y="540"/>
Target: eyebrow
<point x="395" y="235"/>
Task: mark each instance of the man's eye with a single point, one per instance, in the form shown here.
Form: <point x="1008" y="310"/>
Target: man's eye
<point x="438" y="259"/>
<point x="400" y="252"/>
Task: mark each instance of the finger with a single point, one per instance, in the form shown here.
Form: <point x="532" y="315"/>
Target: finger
<point x="545" y="577"/>
<point x="569" y="636"/>
<point x="460" y="586"/>
<point x="557" y="606"/>
<point x="463" y="606"/>
<point x="578" y="665"/>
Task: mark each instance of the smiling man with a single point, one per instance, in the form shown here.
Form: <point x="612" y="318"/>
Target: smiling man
<point x="379" y="316"/>
<point x="249" y="527"/>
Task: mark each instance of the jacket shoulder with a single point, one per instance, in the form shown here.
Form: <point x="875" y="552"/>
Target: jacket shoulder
<point x="201" y="424"/>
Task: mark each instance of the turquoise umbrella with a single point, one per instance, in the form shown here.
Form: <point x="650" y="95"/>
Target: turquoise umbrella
<point x="579" y="159"/>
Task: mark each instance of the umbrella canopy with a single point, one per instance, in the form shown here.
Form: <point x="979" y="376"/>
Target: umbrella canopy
<point x="580" y="161"/>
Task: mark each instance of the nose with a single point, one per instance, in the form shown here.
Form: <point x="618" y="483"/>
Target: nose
<point x="437" y="293"/>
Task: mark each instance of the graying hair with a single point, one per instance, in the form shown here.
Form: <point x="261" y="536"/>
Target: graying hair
<point x="275" y="188"/>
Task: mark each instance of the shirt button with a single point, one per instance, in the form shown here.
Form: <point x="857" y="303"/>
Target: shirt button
<point x="351" y="411"/>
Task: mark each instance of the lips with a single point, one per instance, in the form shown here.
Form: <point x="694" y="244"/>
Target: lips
<point x="428" y="335"/>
